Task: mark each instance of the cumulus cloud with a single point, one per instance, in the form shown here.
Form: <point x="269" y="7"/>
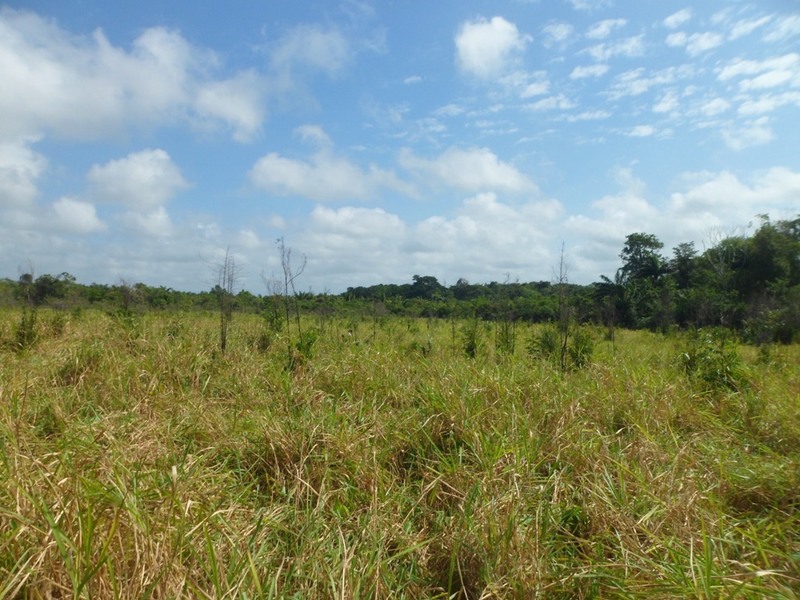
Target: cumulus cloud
<point x="142" y="180"/>
<point x="324" y="176"/>
<point x="20" y="169"/>
<point x="470" y="169"/>
<point x="774" y="190"/>
<point x="312" y="47"/>
<point x="354" y="245"/>
<point x="479" y="241"/>
<point x="155" y="223"/>
<point x="86" y="88"/>
<point x="76" y="216"/>
<point x="486" y="49"/>
<point x="237" y="101"/>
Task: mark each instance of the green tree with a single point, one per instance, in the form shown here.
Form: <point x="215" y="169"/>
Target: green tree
<point x="426" y="287"/>
<point x="646" y="295"/>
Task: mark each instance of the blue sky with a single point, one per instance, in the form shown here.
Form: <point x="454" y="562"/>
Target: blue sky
<point x="387" y="139"/>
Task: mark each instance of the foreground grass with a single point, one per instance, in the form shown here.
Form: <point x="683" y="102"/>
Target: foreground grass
<point x="138" y="462"/>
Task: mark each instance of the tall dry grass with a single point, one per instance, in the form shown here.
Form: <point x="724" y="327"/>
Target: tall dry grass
<point x="384" y="462"/>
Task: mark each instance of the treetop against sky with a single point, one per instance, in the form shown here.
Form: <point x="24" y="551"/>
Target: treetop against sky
<point x="383" y="139"/>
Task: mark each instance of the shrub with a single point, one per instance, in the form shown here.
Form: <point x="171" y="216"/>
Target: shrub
<point x="712" y="361"/>
<point x="25" y="334"/>
<point x="581" y="348"/>
<point x="470" y="335"/>
<point x="545" y="344"/>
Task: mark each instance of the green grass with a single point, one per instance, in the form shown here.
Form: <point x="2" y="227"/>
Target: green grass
<point x="386" y="462"/>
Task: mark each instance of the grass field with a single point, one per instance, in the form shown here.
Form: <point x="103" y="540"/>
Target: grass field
<point x="383" y="462"/>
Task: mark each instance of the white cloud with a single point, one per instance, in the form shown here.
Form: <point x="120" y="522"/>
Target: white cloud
<point x="697" y="43"/>
<point x="642" y="131"/>
<point x="715" y="107"/>
<point x="702" y="42"/>
<point x="471" y="169"/>
<point x="557" y="33"/>
<point x="589" y="115"/>
<point x="142" y="180"/>
<point x="784" y="28"/>
<point x="412" y="80"/>
<point x="313" y="134"/>
<point x="677" y="39"/>
<point x="450" y="110"/>
<point x="155" y="223"/>
<point x="483" y="239"/>
<point x="247" y="239"/>
<point x="354" y="246"/>
<point x="486" y="49"/>
<point x="538" y="88"/>
<point x="747" y="26"/>
<point x="668" y="103"/>
<point x="236" y="102"/>
<point x="628" y="47"/>
<point x="325" y="176"/>
<point x="76" y="216"/>
<point x="752" y="133"/>
<point x="677" y="19"/>
<point x="480" y="241"/>
<point x="560" y="102"/>
<point x="81" y="87"/>
<point x="20" y="169"/>
<point x="741" y="67"/>
<point x="768" y="103"/>
<point x="590" y="5"/>
<point x="602" y="29"/>
<point x="755" y="75"/>
<point x="312" y="47"/>
<point x="582" y="72"/>
<point x="638" y="81"/>
<point x="772" y="191"/>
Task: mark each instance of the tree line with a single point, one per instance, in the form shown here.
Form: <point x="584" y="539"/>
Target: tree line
<point x="747" y="283"/>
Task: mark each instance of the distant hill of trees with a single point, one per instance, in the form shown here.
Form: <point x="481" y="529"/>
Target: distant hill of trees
<point x="747" y="283"/>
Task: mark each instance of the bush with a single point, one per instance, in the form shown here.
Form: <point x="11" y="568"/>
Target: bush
<point x="545" y="344"/>
<point x="712" y="361"/>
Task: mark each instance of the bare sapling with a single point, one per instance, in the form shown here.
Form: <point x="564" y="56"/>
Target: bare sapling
<point x="226" y="281"/>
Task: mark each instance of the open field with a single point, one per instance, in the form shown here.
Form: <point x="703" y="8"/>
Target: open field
<point x="382" y="461"/>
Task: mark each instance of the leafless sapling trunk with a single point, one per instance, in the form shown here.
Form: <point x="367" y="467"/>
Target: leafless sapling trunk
<point x="564" y="316"/>
<point x="290" y="274"/>
<point x="226" y="281"/>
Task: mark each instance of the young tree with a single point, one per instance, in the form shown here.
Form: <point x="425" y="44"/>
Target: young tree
<point x="287" y="289"/>
<point x="224" y="291"/>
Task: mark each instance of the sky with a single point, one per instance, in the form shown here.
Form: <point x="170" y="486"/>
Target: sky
<point x="140" y="141"/>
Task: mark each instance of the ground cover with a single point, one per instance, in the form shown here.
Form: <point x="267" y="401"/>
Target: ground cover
<point x="391" y="457"/>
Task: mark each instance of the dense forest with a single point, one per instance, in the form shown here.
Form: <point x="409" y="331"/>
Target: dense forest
<point x="747" y="283"/>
